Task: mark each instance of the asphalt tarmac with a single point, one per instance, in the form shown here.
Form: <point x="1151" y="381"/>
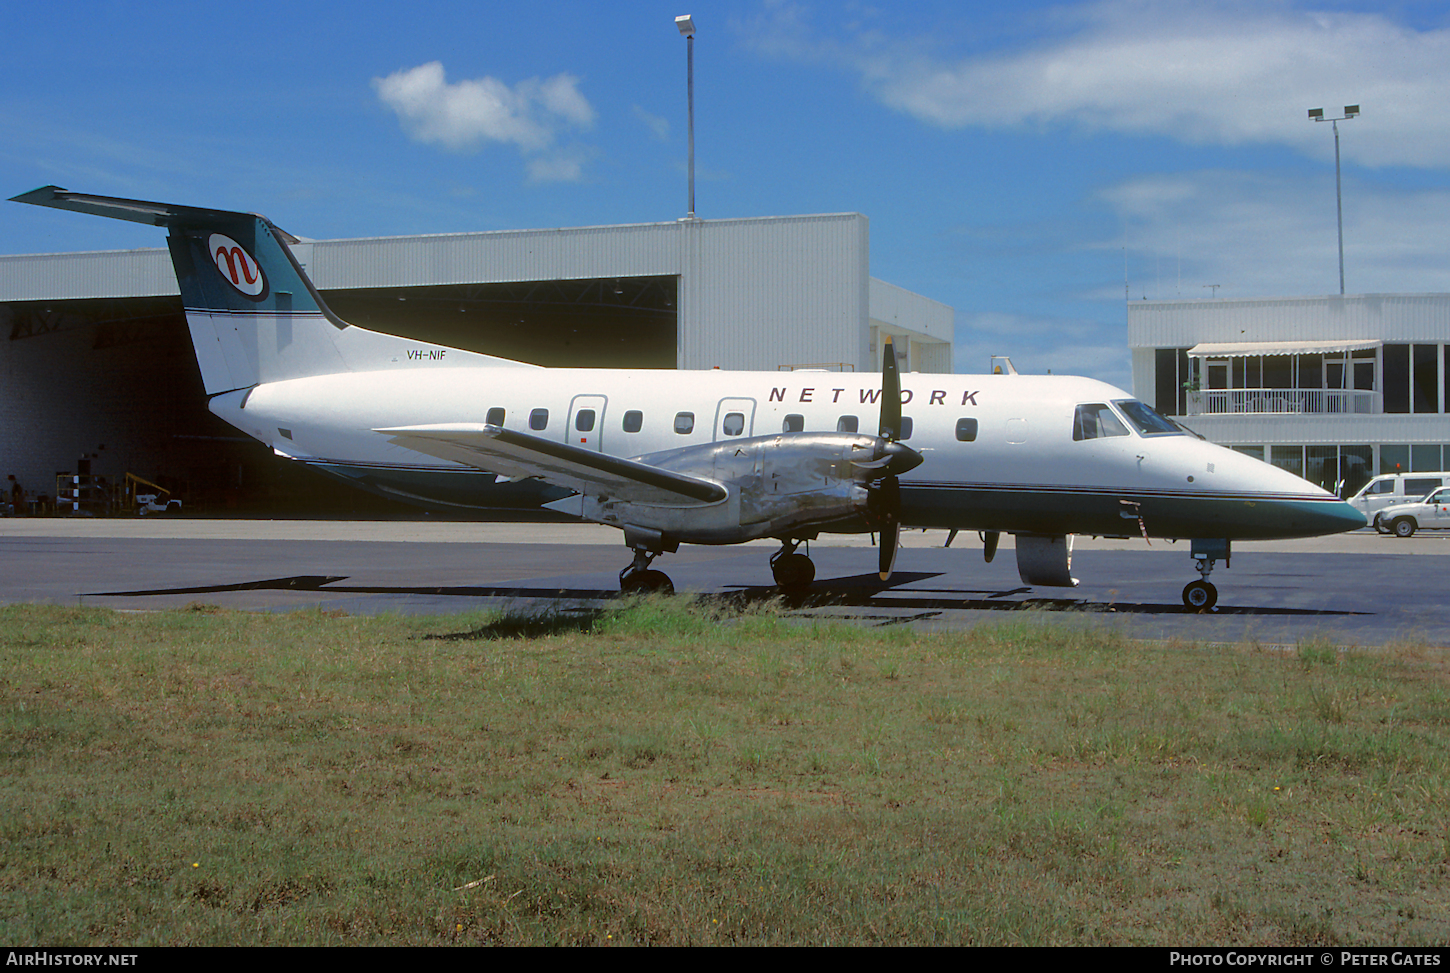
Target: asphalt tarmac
<point x="1353" y="589"/>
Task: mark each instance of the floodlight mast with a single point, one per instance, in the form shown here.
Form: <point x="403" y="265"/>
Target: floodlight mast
<point x="1317" y="114"/>
<point x="686" y="25"/>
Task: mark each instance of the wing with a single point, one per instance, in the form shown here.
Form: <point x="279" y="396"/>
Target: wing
<point x="516" y="454"/>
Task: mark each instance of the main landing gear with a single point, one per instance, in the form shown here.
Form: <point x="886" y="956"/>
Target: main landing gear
<point x="1201" y="595"/>
<point x="639" y="578"/>
<point x="792" y="571"/>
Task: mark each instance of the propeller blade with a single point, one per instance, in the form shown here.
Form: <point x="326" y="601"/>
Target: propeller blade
<point x="890" y="392"/>
<point x="890" y="499"/>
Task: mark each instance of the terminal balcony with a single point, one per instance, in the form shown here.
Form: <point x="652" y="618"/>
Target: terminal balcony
<point x="1284" y="401"/>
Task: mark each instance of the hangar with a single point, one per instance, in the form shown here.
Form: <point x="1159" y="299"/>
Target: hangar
<point x="99" y="378"/>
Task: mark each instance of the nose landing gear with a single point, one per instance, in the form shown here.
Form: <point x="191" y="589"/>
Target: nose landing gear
<point x="1201" y="595"/>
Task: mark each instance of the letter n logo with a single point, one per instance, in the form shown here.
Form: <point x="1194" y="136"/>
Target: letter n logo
<point x="237" y="266"/>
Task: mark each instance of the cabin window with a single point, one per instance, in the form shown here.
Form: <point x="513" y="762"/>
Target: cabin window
<point x="684" y="423"/>
<point x="495" y="416"/>
<point x="966" y="430"/>
<point x="633" y="420"/>
<point x="584" y="420"/>
<point x="539" y="419"/>
<point x="793" y="424"/>
<point x="1096" y="421"/>
<point x="848" y="424"/>
<point x="906" y="428"/>
<point x="734" y="423"/>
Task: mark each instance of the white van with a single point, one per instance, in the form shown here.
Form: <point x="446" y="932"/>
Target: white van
<point x="1395" y="488"/>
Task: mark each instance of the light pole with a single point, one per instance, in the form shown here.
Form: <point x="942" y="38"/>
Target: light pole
<point x="686" y="24"/>
<point x="1317" y="114"/>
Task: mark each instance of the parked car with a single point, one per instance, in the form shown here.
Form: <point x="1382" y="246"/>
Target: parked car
<point x="1393" y="488"/>
<point x="1403" y="519"/>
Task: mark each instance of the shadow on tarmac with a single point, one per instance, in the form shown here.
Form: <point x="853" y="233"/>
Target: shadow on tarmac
<point x="856" y="591"/>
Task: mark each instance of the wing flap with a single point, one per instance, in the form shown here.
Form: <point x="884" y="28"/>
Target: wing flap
<point x="517" y="454"/>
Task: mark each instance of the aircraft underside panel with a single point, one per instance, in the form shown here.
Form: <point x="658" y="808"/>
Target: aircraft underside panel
<point x="1015" y="510"/>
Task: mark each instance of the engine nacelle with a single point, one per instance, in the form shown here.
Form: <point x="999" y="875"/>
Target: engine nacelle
<point x="775" y="485"/>
<point x="1045" y="559"/>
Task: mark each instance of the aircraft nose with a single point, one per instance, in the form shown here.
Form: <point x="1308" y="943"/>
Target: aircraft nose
<point x="1336" y="518"/>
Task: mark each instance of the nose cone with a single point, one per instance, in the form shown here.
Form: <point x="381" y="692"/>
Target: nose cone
<point x="1335" y="518"/>
<point x="900" y="459"/>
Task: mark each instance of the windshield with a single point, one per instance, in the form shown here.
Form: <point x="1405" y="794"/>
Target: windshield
<point x="1147" y="421"/>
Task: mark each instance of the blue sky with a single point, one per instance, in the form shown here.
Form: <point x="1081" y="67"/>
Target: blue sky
<point x="1013" y="159"/>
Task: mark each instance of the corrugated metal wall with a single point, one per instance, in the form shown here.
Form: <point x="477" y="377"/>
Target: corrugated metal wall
<point x="1391" y="317"/>
<point x="754" y="293"/>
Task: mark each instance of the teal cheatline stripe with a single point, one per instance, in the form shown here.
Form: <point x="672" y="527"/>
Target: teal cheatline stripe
<point x="1048" y="511"/>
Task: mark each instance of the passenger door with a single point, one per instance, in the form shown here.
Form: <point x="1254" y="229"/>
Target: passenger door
<point x="586" y="422"/>
<point x="734" y="419"/>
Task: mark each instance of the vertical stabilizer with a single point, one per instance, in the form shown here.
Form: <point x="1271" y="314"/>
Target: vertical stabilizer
<point x="254" y="315"/>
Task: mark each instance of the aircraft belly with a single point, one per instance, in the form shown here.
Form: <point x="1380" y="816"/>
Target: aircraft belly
<point x="1044" y="509"/>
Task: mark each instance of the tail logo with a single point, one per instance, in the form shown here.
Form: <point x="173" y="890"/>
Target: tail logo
<point x="237" y="266"/>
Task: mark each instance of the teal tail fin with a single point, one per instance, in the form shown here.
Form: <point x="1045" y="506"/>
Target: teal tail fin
<point x="254" y="315"/>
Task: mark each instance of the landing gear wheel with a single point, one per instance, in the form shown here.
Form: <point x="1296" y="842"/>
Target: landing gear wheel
<point x="1403" y="527"/>
<point x="647" y="582"/>
<point x="1200" y="595"/>
<point x="793" y="571"/>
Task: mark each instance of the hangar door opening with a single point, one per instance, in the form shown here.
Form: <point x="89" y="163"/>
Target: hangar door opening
<point x="609" y="322"/>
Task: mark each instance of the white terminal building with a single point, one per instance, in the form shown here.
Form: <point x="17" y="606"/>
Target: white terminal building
<point x="1335" y="389"/>
<point x="96" y="367"/>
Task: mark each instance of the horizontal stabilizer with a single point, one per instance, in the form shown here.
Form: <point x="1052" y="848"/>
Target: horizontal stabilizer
<point x="138" y="210"/>
<point x="517" y="454"/>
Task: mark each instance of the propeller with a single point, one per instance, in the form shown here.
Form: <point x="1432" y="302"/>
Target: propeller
<point x="887" y="494"/>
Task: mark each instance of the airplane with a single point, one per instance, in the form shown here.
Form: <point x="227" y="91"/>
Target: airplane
<point x="707" y="457"/>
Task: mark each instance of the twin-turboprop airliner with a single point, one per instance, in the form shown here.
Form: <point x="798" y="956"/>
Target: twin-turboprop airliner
<point x="715" y="457"/>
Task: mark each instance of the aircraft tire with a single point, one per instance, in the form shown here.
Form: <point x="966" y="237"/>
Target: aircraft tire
<point x="1200" y="596"/>
<point x="1403" y="527"/>
<point x="647" y="582"/>
<point x="793" y="571"/>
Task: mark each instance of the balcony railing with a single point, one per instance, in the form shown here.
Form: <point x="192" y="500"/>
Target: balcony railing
<point x="1213" y="402"/>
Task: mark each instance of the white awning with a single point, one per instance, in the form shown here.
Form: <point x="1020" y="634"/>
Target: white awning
<point x="1241" y="349"/>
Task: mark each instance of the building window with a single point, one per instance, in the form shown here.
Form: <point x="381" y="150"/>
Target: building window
<point x="1427" y="378"/>
<point x="1397" y="378"/>
<point x="1172" y="373"/>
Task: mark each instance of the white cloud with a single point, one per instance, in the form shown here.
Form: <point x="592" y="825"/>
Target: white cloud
<point x="1264" y="234"/>
<point x="660" y="127"/>
<point x="463" y="114"/>
<point x="1215" y="72"/>
<point x="1040" y="344"/>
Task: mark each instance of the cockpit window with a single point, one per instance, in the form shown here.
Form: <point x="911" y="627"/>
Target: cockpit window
<point x="1096" y="421"/>
<point x="1145" y="419"/>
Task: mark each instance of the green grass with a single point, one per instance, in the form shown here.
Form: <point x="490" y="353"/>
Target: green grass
<point x="677" y="772"/>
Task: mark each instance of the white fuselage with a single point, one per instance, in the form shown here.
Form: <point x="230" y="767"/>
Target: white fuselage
<point x="1019" y="470"/>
